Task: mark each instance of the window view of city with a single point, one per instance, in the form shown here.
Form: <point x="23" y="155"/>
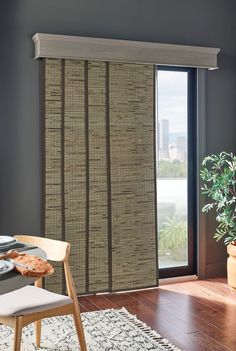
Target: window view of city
<point x="172" y="168"/>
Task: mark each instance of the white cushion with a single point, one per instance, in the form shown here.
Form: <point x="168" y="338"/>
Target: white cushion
<point x="30" y="299"/>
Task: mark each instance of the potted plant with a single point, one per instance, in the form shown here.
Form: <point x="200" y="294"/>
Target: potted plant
<point x="219" y="177"/>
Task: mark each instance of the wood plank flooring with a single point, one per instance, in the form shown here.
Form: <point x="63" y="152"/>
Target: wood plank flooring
<point x="195" y="315"/>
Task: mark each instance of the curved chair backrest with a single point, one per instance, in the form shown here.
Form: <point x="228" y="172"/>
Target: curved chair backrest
<point x="56" y="250"/>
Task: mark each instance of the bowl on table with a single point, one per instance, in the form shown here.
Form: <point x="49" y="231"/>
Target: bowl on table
<point x="7" y="243"/>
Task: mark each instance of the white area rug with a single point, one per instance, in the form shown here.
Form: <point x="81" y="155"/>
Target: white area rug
<point x="107" y="330"/>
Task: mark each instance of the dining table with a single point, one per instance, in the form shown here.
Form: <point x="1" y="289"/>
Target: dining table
<point x="12" y="280"/>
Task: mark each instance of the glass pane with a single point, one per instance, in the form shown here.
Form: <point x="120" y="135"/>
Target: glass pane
<point x="172" y="87"/>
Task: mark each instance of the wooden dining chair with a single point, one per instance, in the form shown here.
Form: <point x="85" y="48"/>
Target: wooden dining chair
<point x="32" y="303"/>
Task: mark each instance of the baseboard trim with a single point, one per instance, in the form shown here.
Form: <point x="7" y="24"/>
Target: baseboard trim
<point x="185" y="278"/>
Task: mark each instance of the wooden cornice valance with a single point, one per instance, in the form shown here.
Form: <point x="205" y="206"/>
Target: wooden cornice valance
<point x="74" y="47"/>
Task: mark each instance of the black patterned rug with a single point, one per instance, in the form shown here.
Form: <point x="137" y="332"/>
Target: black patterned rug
<point x="107" y="330"/>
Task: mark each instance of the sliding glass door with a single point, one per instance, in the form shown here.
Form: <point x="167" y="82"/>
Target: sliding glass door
<point x="175" y="129"/>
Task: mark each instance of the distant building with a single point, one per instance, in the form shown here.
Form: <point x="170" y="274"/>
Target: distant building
<point x="165" y="134"/>
<point x="181" y="146"/>
<point x="165" y="138"/>
<point x="173" y="152"/>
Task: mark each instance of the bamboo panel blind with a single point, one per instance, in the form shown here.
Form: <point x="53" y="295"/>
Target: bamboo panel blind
<point x="132" y="176"/>
<point x="99" y="172"/>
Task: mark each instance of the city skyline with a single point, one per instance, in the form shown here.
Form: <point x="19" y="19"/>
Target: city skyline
<point x="172" y="100"/>
<point x="171" y="150"/>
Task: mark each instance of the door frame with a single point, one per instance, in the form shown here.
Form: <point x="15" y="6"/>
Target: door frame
<point x="191" y="268"/>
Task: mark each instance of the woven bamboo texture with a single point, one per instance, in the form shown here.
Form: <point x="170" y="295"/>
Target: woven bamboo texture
<point x="99" y="185"/>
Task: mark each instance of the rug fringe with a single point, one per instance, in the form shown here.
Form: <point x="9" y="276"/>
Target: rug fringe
<point x="148" y="330"/>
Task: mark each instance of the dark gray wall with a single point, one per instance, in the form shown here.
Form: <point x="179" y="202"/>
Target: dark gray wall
<point x="201" y="22"/>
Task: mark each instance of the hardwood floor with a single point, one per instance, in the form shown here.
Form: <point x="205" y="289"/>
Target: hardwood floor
<point x="195" y="315"/>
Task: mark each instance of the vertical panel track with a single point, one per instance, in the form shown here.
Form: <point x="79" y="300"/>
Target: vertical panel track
<point x="43" y="148"/>
<point x="43" y="79"/>
<point x="86" y="113"/>
<point x="155" y="143"/>
<point x="109" y="201"/>
<point x="63" y="219"/>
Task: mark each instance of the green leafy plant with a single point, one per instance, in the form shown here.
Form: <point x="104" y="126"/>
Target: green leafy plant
<point x="172" y="169"/>
<point x="173" y="234"/>
<point x="219" y="176"/>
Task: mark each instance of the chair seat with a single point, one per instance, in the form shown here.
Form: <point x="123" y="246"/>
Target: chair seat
<point x="30" y="299"/>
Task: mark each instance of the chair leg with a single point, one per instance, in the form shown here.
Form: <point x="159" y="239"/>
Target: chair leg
<point x="17" y="333"/>
<point x="38" y="332"/>
<point x="80" y="330"/>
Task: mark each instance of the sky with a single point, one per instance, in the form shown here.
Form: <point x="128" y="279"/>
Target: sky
<point x="172" y="99"/>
